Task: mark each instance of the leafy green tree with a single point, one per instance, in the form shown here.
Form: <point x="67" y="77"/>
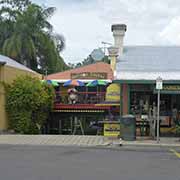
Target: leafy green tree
<point x="28" y="37"/>
<point x="106" y="59"/>
<point x="28" y="103"/>
<point x="9" y="10"/>
<point x="15" y="5"/>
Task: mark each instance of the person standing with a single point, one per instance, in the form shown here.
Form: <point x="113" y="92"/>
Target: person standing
<point x="73" y="97"/>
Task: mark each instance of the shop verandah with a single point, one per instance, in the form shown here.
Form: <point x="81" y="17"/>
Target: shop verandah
<point x="92" y="107"/>
<point x="85" y="95"/>
<point x="140" y="99"/>
<point x="93" y="101"/>
<point x="137" y="99"/>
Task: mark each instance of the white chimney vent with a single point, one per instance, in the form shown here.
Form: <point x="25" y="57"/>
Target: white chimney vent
<point x="118" y="34"/>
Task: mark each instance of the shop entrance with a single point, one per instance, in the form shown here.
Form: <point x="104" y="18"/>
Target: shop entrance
<point x="79" y="123"/>
<point x="143" y="104"/>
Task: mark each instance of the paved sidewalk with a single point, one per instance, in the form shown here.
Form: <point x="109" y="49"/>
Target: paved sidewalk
<point x="164" y="142"/>
<point x="55" y="140"/>
<point x="76" y="140"/>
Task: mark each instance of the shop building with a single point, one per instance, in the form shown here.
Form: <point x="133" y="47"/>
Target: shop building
<point x="137" y="68"/>
<point x="94" y="105"/>
<point x="133" y="70"/>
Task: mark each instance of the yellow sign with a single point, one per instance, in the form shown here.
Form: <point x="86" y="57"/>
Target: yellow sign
<point x="111" y="129"/>
<point x="113" y="93"/>
<point x="171" y="87"/>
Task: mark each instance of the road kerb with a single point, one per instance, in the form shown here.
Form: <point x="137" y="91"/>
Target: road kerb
<point x="175" y="152"/>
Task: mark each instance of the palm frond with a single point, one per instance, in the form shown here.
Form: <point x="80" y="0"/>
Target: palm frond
<point x="17" y="43"/>
<point x="48" y="26"/>
<point x="5" y="48"/>
<point x="59" y="41"/>
<point x="12" y="46"/>
<point x="48" y="12"/>
<point x="30" y="47"/>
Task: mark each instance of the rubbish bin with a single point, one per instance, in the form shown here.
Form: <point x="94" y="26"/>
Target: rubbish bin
<point x="128" y="128"/>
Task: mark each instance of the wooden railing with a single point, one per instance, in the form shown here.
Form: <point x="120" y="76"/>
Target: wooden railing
<point x="83" y="97"/>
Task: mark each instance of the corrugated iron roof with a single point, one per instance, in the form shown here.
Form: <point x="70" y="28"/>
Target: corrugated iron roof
<point x="148" y="62"/>
<point x="13" y="63"/>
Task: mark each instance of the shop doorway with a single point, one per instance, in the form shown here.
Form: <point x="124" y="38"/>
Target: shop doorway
<point x="143" y="104"/>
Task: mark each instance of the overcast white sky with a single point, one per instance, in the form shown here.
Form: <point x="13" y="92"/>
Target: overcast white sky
<point x="86" y="23"/>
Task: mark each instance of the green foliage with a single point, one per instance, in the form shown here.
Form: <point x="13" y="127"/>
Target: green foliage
<point x="27" y="36"/>
<point x="15" y="4"/>
<point x="28" y="103"/>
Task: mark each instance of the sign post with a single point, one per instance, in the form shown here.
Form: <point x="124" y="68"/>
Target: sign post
<point x="159" y="86"/>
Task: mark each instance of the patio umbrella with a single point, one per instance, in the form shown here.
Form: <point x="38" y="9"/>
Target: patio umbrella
<point x="96" y="83"/>
<point x="51" y="82"/>
<point x="73" y="82"/>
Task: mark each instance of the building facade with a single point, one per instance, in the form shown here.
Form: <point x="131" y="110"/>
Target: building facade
<point x="94" y="105"/>
<point x="10" y="70"/>
<point x="137" y="69"/>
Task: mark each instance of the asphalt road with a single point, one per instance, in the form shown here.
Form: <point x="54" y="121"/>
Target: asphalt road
<point x="66" y="163"/>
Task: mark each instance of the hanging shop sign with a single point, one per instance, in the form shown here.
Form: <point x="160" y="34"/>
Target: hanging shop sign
<point x="89" y="75"/>
<point x="113" y="93"/>
<point x="111" y="129"/>
<point x="170" y="89"/>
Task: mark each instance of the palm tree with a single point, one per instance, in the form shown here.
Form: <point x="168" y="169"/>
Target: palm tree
<point x="32" y="41"/>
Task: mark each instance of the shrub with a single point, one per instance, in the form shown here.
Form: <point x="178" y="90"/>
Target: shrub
<point x="28" y="103"/>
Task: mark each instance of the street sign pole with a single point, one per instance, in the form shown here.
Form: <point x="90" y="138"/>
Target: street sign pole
<point x="159" y="86"/>
<point x="158" y="115"/>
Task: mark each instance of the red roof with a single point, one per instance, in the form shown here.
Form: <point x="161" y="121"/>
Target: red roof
<point x="99" y="67"/>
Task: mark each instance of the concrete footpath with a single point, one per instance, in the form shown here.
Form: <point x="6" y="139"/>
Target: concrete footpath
<point x="76" y="140"/>
<point x="164" y="142"/>
<point x="54" y="140"/>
